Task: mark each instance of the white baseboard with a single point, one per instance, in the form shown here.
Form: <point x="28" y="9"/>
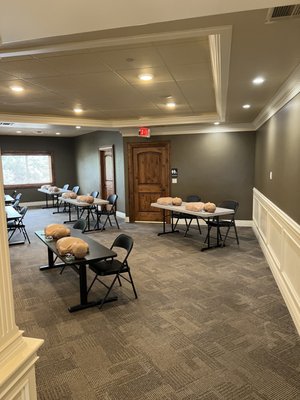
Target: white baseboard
<point x="33" y="204"/>
<point x="279" y="238"/>
<point x="121" y="214"/>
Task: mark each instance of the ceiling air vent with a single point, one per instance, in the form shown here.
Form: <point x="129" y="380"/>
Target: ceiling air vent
<point x="6" y="123"/>
<point x="283" y="12"/>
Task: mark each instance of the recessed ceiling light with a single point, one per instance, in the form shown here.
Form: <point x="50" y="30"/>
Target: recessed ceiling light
<point x="57" y="133"/>
<point x="17" y="88"/>
<point x="77" y="110"/>
<point x="171" y="104"/>
<point x="258" y="80"/>
<point x="145" y="77"/>
<point x="19" y="131"/>
<point x="246" y="106"/>
<point x="78" y="127"/>
<point x="216" y="123"/>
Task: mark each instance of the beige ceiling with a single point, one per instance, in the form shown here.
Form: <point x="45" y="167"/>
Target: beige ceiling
<point x="204" y="64"/>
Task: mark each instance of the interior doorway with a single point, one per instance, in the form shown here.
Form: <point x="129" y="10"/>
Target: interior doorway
<point x="148" y="179"/>
<point x="107" y="171"/>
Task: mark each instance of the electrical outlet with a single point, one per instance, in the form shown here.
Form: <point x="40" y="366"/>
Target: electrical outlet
<point x="271" y="175"/>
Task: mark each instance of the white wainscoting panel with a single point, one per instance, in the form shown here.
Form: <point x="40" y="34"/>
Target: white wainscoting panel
<point x="279" y="237"/>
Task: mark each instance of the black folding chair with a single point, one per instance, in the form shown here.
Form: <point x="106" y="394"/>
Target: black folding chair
<point x="80" y="225"/>
<point x="16" y="201"/>
<point x="18" y="224"/>
<point x="75" y="190"/>
<point x="108" y="211"/>
<point x="114" y="267"/>
<point x="226" y="223"/>
<point x="94" y="194"/>
<point x="187" y="217"/>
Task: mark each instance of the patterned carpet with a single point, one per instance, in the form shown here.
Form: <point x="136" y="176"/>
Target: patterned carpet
<point x="207" y="325"/>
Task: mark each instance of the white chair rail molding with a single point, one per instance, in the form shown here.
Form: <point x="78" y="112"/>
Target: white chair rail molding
<point x="279" y="237"/>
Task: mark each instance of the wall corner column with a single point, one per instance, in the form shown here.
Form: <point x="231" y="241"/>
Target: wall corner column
<point x="18" y="354"/>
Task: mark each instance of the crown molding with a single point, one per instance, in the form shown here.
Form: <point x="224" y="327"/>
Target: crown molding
<point x="111" y="42"/>
<point x="289" y="89"/>
<point x="189" y="129"/>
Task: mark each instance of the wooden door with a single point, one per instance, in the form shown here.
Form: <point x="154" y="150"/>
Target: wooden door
<point x="148" y="179"/>
<point x="107" y="171"/>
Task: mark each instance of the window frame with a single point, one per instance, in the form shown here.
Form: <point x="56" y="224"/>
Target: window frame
<point x="30" y="153"/>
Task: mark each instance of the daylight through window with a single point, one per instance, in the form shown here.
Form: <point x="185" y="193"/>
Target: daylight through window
<point x="26" y="169"/>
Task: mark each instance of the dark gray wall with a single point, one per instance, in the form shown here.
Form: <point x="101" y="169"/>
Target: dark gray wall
<point x="278" y="150"/>
<point x="63" y="155"/>
<point x="216" y="166"/>
<point x="88" y="162"/>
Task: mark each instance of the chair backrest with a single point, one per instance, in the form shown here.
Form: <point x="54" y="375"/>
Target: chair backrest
<point x="80" y="224"/>
<point x="232" y="204"/>
<point x="125" y="242"/>
<point x="112" y="199"/>
<point x="16" y="204"/>
<point x="23" y="211"/>
<point x="18" y="196"/>
<point x="75" y="189"/>
<point x="193" y="197"/>
<point x="66" y="186"/>
<point x="95" y="194"/>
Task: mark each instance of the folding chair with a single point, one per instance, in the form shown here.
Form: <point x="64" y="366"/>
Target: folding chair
<point x="114" y="267"/>
<point x="187" y="217"/>
<point x="80" y="225"/>
<point x="18" y="224"/>
<point x="227" y="223"/>
<point x="108" y="210"/>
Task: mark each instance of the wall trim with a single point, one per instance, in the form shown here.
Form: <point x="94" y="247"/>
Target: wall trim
<point x="289" y="89"/>
<point x="279" y="238"/>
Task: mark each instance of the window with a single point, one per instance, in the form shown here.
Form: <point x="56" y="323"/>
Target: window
<point x="27" y="169"/>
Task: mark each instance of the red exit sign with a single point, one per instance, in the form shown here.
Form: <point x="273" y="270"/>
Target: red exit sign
<point x="144" y="132"/>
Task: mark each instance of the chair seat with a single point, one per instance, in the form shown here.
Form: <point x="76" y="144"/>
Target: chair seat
<point x="183" y="215"/>
<point x="11" y="224"/>
<point x="108" y="267"/>
<point x="221" y="223"/>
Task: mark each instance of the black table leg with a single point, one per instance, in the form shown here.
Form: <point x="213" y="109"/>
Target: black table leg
<point x="208" y="238"/>
<point x="51" y="264"/>
<point x="70" y="215"/>
<point x="84" y="303"/>
<point x="164" y="232"/>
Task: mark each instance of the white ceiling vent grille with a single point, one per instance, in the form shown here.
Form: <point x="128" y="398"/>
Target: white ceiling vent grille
<point x="6" y="123"/>
<point x="283" y="12"/>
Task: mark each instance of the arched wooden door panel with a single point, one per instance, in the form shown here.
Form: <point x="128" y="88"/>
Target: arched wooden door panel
<point x="148" y="177"/>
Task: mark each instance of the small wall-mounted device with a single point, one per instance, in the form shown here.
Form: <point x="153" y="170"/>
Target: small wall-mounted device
<point x="174" y="175"/>
<point x="174" y="172"/>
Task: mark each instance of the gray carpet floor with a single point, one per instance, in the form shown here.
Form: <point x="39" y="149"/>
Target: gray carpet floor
<point x="207" y="325"/>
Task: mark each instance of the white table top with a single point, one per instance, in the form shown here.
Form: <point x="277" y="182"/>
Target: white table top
<point x="75" y="202"/>
<point x="203" y="214"/>
<point x="8" y="198"/>
<point x="11" y="213"/>
<point x="46" y="191"/>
